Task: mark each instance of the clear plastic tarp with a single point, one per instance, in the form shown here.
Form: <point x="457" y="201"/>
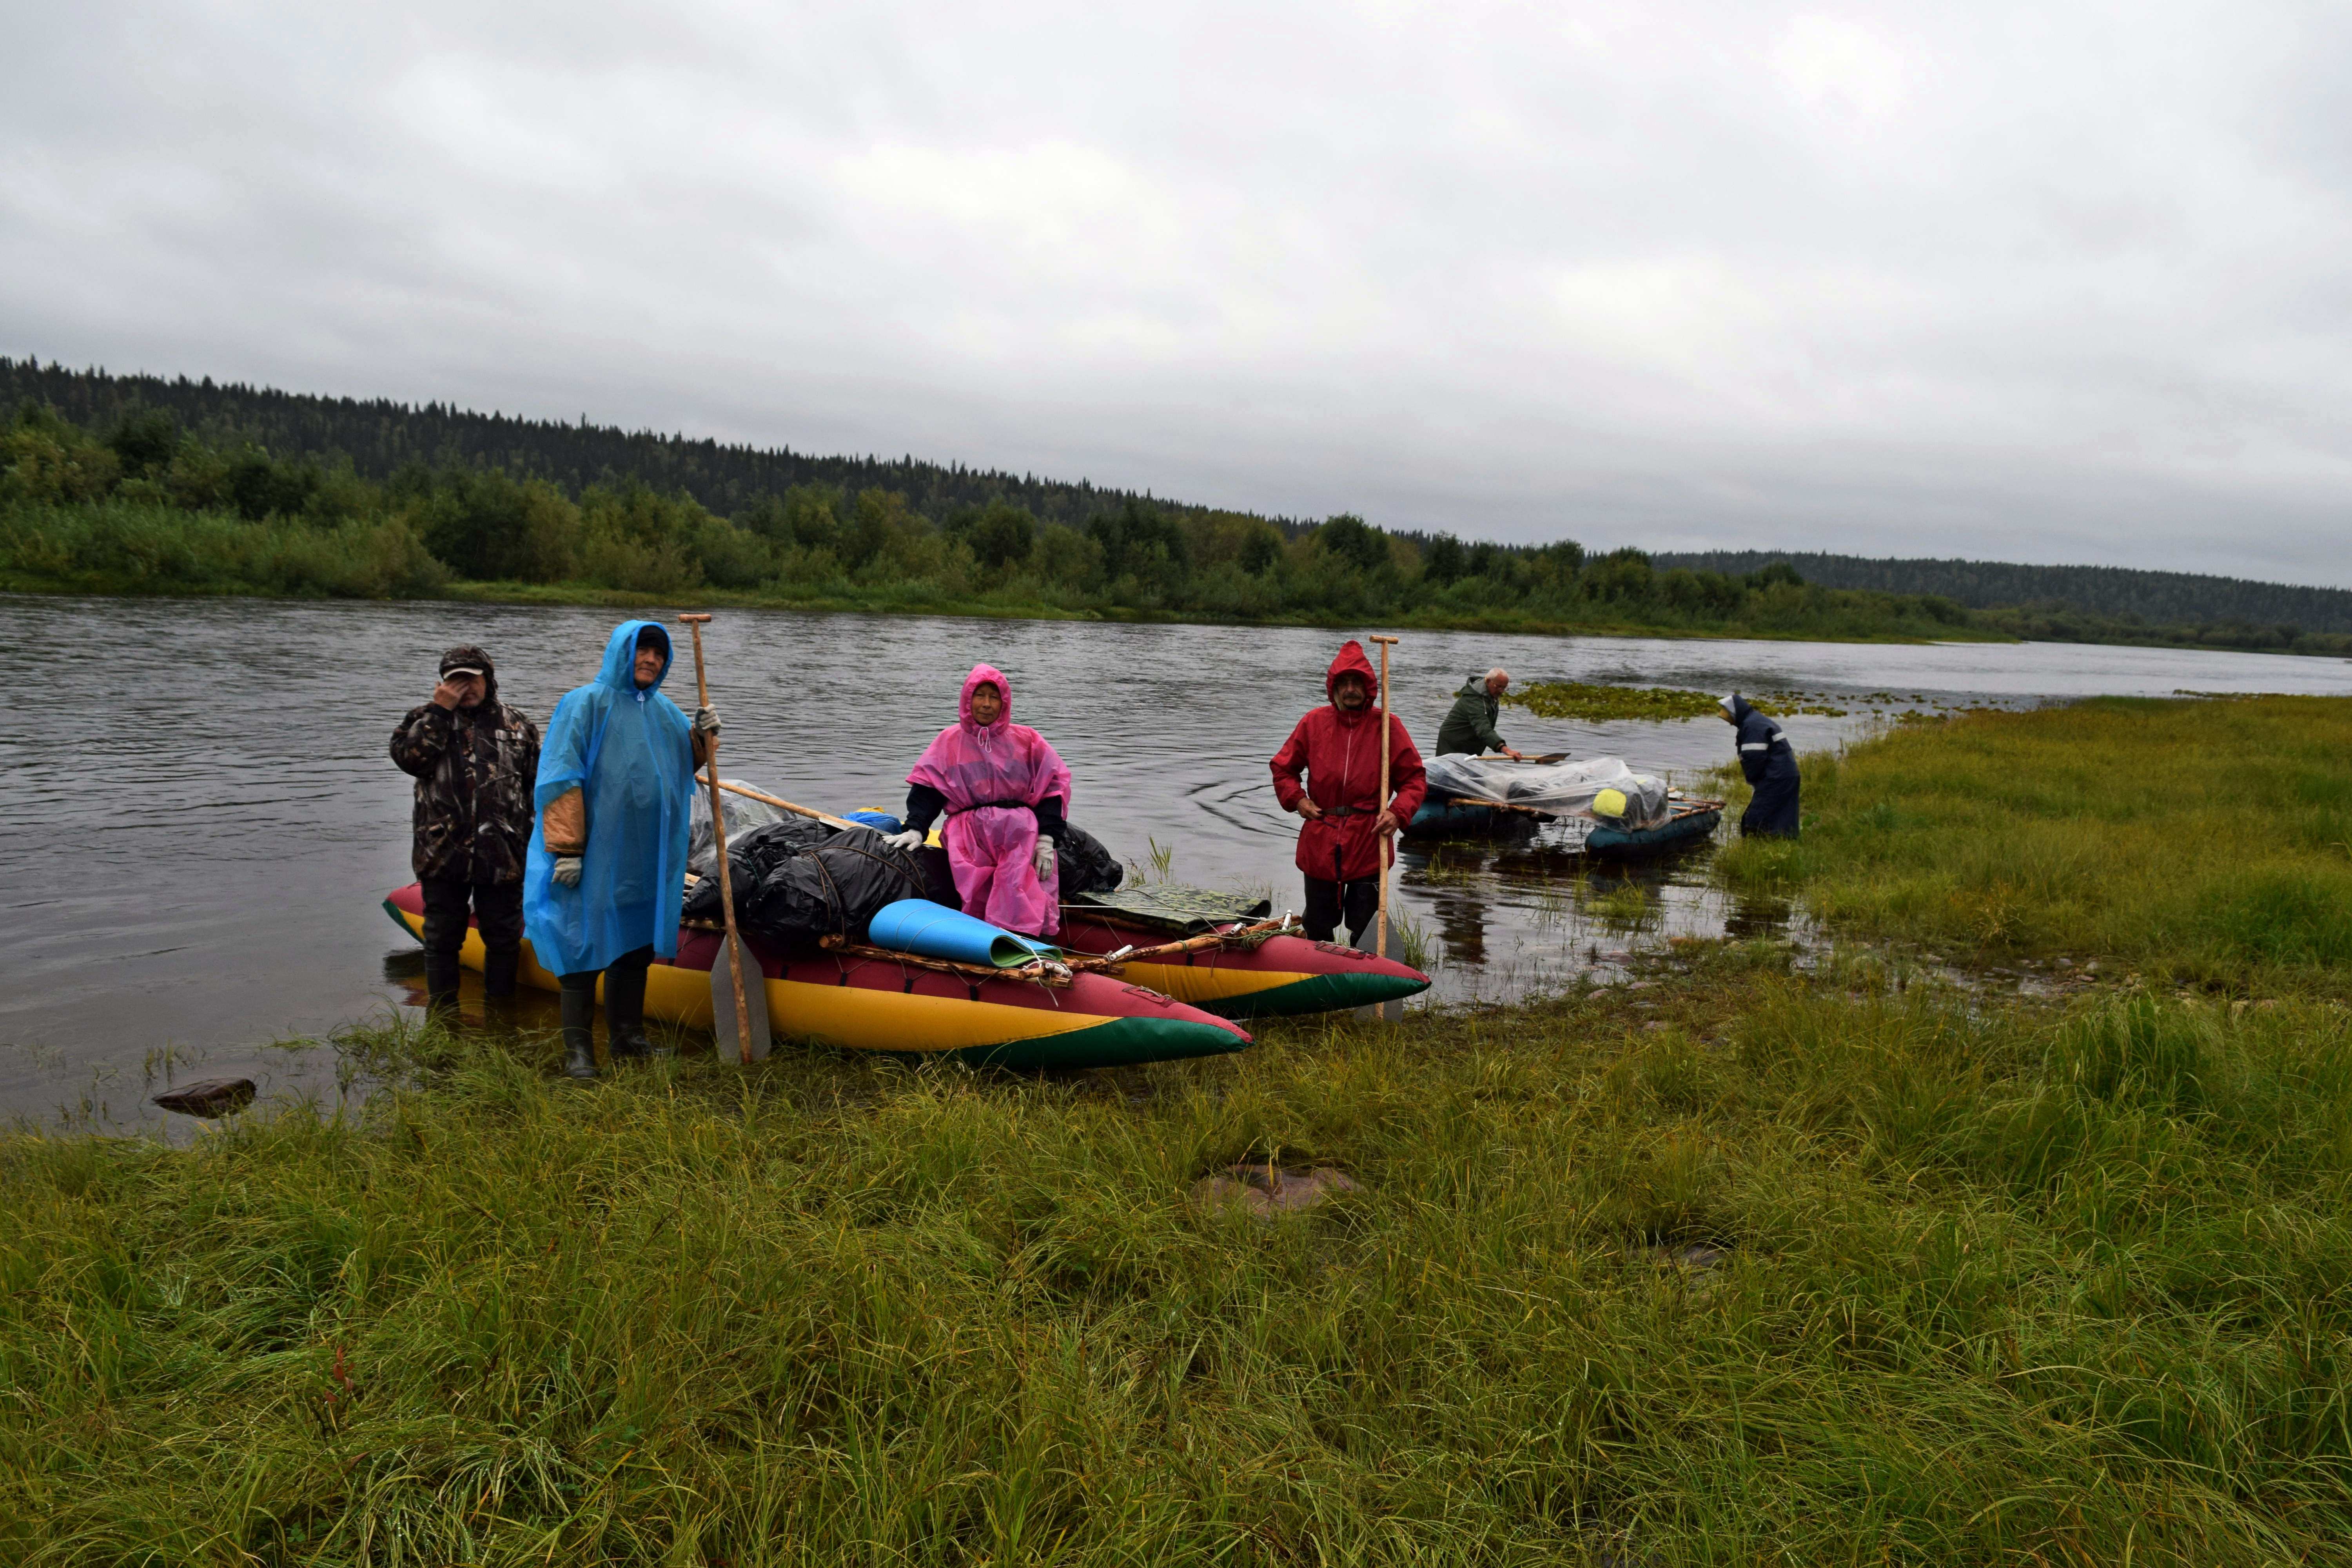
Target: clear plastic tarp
<point x="1557" y="789"/>
<point x="743" y="814"/>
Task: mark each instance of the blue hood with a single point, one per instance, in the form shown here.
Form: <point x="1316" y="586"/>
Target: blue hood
<point x="620" y="671"/>
<point x="631" y="753"/>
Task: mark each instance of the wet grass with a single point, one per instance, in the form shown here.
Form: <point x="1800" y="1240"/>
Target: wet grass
<point x="1767" y="1256"/>
<point x="2207" y="843"/>
<point x="1998" y="1284"/>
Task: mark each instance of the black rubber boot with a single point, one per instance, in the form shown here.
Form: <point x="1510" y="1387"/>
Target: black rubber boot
<point x="441" y="986"/>
<point x="499" y="975"/>
<point x="624" y="1010"/>
<point x="579" y="1032"/>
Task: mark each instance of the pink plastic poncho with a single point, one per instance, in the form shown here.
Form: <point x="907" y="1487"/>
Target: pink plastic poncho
<point x="990" y="844"/>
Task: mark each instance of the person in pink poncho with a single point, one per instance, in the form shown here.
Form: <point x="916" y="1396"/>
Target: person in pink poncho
<point x="1005" y="794"/>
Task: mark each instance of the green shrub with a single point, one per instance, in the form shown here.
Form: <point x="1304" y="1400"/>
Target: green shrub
<point x="130" y="548"/>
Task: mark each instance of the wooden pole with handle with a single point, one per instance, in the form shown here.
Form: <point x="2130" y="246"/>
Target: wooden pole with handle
<point x="781" y="803"/>
<point x="1381" y="839"/>
<point x="719" y="842"/>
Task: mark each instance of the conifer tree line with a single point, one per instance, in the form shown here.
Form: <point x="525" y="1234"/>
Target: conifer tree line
<point x="135" y="484"/>
<point x="148" y="505"/>
<point x="379" y="438"/>
<point x="2152" y="598"/>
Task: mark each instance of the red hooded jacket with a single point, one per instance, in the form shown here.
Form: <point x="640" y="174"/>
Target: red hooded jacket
<point x="1339" y="754"/>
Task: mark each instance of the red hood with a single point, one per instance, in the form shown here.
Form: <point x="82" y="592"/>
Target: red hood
<point x="1351" y="657"/>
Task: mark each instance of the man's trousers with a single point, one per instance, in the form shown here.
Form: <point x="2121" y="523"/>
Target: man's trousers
<point x="1328" y="902"/>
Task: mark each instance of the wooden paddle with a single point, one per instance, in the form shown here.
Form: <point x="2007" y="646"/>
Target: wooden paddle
<point x="730" y="1000"/>
<point x="1381" y="842"/>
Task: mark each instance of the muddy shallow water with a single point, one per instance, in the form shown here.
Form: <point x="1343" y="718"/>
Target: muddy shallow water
<point x="201" y="818"/>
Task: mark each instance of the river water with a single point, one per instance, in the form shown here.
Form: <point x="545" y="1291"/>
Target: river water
<point x="200" y="817"/>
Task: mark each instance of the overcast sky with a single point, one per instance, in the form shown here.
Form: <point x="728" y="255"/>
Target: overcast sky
<point x="2036" y="281"/>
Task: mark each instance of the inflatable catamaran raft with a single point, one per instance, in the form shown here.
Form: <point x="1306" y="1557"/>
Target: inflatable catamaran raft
<point x="1208" y="950"/>
<point x="1632" y="814"/>
<point x="1220" y="953"/>
<point x="1139" y="976"/>
<point x="866" y="998"/>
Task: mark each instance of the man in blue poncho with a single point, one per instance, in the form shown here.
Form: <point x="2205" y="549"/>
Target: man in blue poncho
<point x="607" y="866"/>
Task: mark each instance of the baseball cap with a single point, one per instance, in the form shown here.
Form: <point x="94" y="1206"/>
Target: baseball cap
<point x="466" y="659"/>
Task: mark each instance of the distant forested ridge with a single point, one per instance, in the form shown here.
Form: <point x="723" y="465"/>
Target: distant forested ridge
<point x="2117" y="593"/>
<point x="379" y="436"/>
<point x="140" y="484"/>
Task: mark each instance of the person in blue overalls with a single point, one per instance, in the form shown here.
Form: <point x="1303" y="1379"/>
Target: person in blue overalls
<point x="1770" y="766"/>
<point x="605" y="877"/>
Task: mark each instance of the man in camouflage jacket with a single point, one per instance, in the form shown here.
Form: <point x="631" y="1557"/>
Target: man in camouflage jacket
<point x="475" y="760"/>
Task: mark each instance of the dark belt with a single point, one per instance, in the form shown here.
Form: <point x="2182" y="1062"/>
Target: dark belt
<point x="983" y="805"/>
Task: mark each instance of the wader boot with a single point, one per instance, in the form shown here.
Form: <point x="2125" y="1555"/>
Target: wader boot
<point x="579" y="1031"/>
<point x="441" y="986"/>
<point x="498" y="969"/>
<point x="625" y="1011"/>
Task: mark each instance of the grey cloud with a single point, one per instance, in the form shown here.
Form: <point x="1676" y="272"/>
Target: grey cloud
<point x="2044" y="283"/>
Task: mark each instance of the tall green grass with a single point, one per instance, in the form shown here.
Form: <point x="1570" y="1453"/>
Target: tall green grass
<point x="2204" y="841"/>
<point x="1995" y="1287"/>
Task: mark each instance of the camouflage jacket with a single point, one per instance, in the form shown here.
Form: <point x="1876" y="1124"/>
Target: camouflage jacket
<point x="474" y="773"/>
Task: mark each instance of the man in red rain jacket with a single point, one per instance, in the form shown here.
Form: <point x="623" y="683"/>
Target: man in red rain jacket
<point x="1346" y="839"/>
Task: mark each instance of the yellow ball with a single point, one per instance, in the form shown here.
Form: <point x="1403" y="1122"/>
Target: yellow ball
<point x="1609" y="802"/>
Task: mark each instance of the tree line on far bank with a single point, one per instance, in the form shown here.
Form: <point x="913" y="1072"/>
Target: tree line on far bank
<point x="2064" y="598"/>
<point x="147" y="506"/>
<point x="379" y="436"/>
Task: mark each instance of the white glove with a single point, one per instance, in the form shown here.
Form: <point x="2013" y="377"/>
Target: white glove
<point x="906" y="842"/>
<point x="706" y="720"/>
<point x="567" y="869"/>
<point x="1043" y="857"/>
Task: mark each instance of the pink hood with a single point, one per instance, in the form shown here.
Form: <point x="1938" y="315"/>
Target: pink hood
<point x="984" y="675"/>
<point x="973" y="765"/>
<point x="991" y="776"/>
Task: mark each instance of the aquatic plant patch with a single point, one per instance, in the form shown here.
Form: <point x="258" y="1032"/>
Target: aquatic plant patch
<point x="1597" y="702"/>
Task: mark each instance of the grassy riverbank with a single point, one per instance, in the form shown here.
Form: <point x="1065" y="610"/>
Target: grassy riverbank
<point x="1777" y="1256"/>
<point x="2202" y="842"/>
<point x="1993" y="1283"/>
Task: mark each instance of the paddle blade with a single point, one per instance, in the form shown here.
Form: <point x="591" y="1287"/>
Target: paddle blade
<point x="728" y="1038"/>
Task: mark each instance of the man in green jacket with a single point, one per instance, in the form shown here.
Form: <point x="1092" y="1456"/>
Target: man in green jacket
<point x="1470" y="727"/>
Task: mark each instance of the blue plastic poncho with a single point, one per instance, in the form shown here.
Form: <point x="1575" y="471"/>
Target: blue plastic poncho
<point x="631" y="753"/>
